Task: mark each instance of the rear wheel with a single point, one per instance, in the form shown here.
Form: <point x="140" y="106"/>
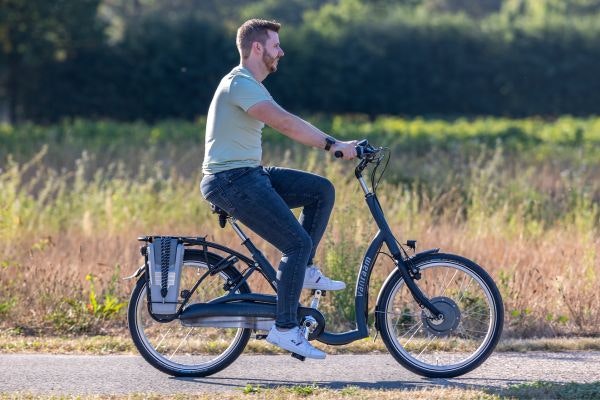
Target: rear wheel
<point x="463" y="339"/>
<point x="183" y="350"/>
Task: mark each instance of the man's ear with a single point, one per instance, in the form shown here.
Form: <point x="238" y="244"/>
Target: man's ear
<point x="257" y="46"/>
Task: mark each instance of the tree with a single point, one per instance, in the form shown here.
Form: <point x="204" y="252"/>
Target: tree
<point x="289" y="12"/>
<point x="36" y="33"/>
<point x="475" y="9"/>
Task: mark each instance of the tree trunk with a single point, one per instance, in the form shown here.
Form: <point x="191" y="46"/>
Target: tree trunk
<point x="13" y="93"/>
<point x="13" y="87"/>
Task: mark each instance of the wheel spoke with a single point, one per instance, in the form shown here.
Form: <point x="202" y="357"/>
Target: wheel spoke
<point x="416" y="327"/>
<point x="441" y="348"/>
<point x="449" y="282"/>
<point x="163" y="338"/>
<point x="413" y="335"/>
<point x="181" y="342"/>
<point x="411" y="314"/>
<point x="473" y="330"/>
<point x="184" y="350"/>
<point x="464" y="291"/>
<point x="469" y="311"/>
<point x="427" y="345"/>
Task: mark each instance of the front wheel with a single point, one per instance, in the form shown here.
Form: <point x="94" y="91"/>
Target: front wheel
<point x="463" y="339"/>
<point x="181" y="350"/>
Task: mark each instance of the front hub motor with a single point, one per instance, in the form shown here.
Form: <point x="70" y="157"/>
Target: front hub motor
<point x="448" y="323"/>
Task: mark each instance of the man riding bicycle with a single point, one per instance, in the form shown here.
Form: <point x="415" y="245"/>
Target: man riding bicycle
<point x="261" y="197"/>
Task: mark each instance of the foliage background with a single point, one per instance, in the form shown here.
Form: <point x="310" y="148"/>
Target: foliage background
<point x="150" y="60"/>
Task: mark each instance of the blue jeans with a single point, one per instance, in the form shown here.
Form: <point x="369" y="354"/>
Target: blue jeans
<point x="261" y="199"/>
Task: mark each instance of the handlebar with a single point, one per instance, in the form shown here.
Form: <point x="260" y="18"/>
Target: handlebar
<point x="363" y="150"/>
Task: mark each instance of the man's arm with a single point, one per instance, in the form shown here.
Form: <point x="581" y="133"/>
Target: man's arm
<point x="297" y="129"/>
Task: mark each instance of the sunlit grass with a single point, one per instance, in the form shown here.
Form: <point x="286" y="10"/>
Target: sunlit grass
<point x="535" y="390"/>
<point x="121" y="343"/>
<point x="520" y="197"/>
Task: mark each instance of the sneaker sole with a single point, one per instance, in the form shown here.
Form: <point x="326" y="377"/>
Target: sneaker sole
<point x="314" y="287"/>
<point x="295" y="350"/>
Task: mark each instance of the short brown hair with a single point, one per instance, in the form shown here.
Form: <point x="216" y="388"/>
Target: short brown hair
<point x="254" y="30"/>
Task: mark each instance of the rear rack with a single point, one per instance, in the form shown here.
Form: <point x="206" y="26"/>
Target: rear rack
<point x="192" y="240"/>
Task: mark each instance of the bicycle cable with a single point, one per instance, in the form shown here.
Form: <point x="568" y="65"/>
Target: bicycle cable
<point x="403" y="249"/>
<point x="374" y="183"/>
<point x="389" y="256"/>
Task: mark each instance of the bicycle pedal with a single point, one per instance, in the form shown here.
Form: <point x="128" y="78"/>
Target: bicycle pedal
<point x="298" y="356"/>
<point x="260" y="337"/>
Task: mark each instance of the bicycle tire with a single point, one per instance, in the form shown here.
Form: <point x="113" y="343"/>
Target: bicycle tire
<point x="208" y="350"/>
<point x="462" y="341"/>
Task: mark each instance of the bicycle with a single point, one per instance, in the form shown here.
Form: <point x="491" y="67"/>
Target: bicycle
<point x="439" y="315"/>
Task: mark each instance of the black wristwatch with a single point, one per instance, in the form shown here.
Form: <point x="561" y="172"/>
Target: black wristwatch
<point x="328" y="143"/>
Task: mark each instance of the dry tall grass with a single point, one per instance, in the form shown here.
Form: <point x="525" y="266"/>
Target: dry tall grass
<point x="67" y="237"/>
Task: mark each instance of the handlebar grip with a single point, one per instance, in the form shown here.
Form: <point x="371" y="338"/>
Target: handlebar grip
<point x="338" y="154"/>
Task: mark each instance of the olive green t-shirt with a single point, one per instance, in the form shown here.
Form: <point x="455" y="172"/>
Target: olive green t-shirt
<point x="233" y="138"/>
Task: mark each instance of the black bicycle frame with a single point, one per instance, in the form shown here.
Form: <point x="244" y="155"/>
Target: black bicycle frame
<point x="361" y="297"/>
<point x="361" y="300"/>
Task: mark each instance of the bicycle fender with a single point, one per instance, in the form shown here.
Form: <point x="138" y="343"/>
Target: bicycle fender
<point x="136" y="274"/>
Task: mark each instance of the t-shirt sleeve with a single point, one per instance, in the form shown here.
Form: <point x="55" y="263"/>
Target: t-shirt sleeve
<point x="245" y="93"/>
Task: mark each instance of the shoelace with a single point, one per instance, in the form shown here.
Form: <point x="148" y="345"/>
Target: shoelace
<point x="316" y="272"/>
<point x="300" y="336"/>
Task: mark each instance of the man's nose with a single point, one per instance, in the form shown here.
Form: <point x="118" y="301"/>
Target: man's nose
<point x="281" y="53"/>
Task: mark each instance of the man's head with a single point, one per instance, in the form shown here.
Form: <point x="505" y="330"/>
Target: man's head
<point x="260" y="39"/>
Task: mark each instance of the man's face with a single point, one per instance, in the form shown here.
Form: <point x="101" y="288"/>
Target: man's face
<point x="272" y="51"/>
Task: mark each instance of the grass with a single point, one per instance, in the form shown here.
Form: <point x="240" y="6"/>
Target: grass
<point x="552" y="390"/>
<point x="534" y="390"/>
<point x="122" y="344"/>
<point x="518" y="196"/>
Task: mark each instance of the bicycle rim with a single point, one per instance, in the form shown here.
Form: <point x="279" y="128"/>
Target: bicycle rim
<point x="185" y="350"/>
<point x="456" y="345"/>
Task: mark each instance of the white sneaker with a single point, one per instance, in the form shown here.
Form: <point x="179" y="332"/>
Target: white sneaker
<point x="314" y="279"/>
<point x="293" y="340"/>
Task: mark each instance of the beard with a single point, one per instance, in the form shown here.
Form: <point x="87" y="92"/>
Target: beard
<point x="270" y="62"/>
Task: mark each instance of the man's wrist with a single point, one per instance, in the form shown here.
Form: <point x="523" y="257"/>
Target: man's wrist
<point x="328" y="143"/>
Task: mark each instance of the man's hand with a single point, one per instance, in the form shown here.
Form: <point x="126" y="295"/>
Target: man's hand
<point x="348" y="149"/>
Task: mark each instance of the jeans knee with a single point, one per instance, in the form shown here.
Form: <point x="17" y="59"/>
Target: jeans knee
<point x="328" y="191"/>
<point x="301" y="247"/>
<point x="305" y="242"/>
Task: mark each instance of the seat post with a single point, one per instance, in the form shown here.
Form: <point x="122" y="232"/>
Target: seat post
<point x="237" y="229"/>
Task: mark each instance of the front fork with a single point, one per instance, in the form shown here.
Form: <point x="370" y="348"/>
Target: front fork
<point x="431" y="311"/>
<point x="385" y="234"/>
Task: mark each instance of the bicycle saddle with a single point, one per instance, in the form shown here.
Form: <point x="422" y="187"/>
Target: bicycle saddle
<point x="223" y="215"/>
